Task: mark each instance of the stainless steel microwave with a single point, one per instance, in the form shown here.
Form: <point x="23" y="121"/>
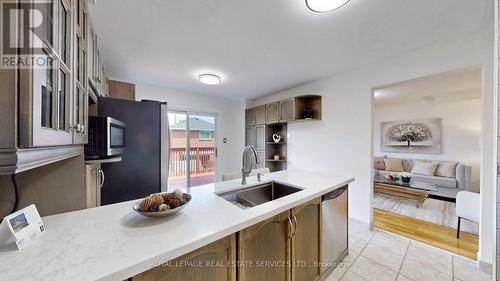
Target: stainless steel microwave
<point x="106" y="137"/>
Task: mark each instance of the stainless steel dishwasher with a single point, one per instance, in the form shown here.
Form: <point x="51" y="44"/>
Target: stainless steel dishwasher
<point x="334" y="230"/>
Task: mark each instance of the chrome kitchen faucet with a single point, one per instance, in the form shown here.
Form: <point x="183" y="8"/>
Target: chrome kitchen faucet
<point x="244" y="171"/>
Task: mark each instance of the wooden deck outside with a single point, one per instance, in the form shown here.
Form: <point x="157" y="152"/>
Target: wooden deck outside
<point x="200" y="179"/>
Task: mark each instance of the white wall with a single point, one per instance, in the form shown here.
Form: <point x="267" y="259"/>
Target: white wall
<point x="342" y="141"/>
<point x="496" y="274"/>
<point x="461" y="130"/>
<point x="231" y="119"/>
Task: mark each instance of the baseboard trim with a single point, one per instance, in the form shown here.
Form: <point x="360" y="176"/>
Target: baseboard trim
<point x="485" y="267"/>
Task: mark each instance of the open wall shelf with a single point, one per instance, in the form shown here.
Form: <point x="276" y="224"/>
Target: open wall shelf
<point x="308" y="108"/>
<point x="273" y="148"/>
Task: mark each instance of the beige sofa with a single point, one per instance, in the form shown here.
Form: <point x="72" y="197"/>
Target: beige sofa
<point x="461" y="181"/>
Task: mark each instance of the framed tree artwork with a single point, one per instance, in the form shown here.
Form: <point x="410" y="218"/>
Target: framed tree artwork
<point x="415" y="136"/>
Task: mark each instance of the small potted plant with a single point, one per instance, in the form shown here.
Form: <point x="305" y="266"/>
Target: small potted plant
<point x="405" y="177"/>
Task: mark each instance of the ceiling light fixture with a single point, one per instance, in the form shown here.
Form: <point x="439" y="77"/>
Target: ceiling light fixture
<point x="209" y="79"/>
<point x="324" y="6"/>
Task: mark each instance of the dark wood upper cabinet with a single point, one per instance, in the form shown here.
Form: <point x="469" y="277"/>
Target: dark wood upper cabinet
<point x="45" y="111"/>
<point x="260" y="115"/>
<point x="286" y="110"/>
<point x="272" y="113"/>
<point x="300" y="108"/>
<point x="93" y="66"/>
<point x="256" y="115"/>
<point x="121" y="90"/>
<point x="80" y="115"/>
<point x="249" y="116"/>
<point x="45" y="92"/>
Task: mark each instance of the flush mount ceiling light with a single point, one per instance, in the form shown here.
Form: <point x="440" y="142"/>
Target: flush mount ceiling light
<point x="324" y="6"/>
<point x="209" y="79"/>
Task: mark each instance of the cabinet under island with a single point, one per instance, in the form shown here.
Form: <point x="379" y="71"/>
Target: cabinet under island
<point x="211" y="239"/>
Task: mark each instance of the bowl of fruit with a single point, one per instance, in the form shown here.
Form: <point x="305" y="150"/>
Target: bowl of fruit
<point x="162" y="204"/>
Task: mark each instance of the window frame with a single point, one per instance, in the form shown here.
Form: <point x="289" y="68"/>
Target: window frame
<point x="210" y="137"/>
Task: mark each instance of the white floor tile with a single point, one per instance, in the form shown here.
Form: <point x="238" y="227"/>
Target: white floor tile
<point x="381" y="256"/>
<point x="336" y="274"/>
<point x="353" y="223"/>
<point x="343" y="266"/>
<point x="402" y="278"/>
<point x="372" y="271"/>
<point x="357" y="244"/>
<point x="390" y="257"/>
<point x="419" y="272"/>
<point x="430" y="257"/>
<point x="391" y="242"/>
<point x="466" y="270"/>
<point x="349" y="276"/>
<point x="349" y="260"/>
<point x="361" y="231"/>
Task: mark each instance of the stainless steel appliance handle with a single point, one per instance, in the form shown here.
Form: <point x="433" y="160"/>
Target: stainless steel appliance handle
<point x="101" y="173"/>
<point x="334" y="194"/>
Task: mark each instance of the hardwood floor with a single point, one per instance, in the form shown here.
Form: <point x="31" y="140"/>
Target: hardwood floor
<point x="429" y="233"/>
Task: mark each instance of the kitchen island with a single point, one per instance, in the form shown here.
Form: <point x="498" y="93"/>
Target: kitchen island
<point x="115" y="243"/>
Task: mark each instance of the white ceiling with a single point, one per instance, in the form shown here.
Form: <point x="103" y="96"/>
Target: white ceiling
<point x="440" y="88"/>
<point x="263" y="46"/>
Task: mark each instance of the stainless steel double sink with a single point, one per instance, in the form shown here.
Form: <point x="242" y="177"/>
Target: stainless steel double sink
<point x="255" y="195"/>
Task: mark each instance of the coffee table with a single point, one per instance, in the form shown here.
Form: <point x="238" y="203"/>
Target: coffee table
<point x="413" y="190"/>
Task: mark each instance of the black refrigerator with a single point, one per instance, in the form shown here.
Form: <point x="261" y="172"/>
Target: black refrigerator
<point x="144" y="166"/>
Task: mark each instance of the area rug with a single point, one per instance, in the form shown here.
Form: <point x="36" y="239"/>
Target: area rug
<point x="433" y="211"/>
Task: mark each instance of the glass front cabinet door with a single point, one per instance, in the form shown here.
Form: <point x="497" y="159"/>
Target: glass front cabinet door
<point x="80" y="110"/>
<point x="45" y="88"/>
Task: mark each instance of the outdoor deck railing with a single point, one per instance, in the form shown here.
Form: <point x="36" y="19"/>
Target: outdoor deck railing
<point x="202" y="161"/>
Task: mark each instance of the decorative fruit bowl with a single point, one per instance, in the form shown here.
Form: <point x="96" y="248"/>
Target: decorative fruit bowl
<point x="163" y="204"/>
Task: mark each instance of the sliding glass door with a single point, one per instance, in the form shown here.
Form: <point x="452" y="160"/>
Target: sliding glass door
<point x="193" y="149"/>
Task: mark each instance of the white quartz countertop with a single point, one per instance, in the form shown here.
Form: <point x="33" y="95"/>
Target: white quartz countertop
<point x="114" y="243"/>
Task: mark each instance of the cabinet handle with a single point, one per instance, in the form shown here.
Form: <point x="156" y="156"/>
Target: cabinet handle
<point x="295" y="225"/>
<point x="292" y="231"/>
<point x="102" y="178"/>
<point x="76" y="127"/>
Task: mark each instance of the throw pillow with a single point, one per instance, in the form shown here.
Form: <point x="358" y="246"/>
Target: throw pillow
<point x="378" y="162"/>
<point x="446" y="170"/>
<point x="393" y="165"/>
<point x="424" y="168"/>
